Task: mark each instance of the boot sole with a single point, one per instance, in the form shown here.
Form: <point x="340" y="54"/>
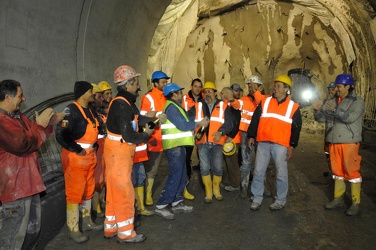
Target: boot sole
<point x="170" y="217"/>
<point x="132" y="240"/>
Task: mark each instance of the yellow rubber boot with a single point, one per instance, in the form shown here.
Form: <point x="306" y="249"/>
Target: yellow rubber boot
<point x="72" y="223"/>
<point x="149" y="190"/>
<point x="339" y="191"/>
<point x="87" y="223"/>
<point x="355" y="196"/>
<point x="139" y="191"/>
<point x="208" y="188"/>
<point x="96" y="204"/>
<point x="216" y="189"/>
<point x="187" y="195"/>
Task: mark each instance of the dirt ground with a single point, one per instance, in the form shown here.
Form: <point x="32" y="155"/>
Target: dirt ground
<point x="230" y="224"/>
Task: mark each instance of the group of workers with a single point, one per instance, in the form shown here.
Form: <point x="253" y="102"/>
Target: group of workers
<point x="111" y="147"/>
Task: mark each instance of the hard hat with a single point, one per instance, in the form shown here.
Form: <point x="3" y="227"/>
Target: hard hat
<point x="171" y="87"/>
<point x="158" y="75"/>
<point x="210" y="85"/>
<point x="255" y="79"/>
<point x="95" y="88"/>
<point x="236" y="87"/>
<point x="103" y="86"/>
<point x="124" y="73"/>
<point x="332" y="85"/>
<point x="229" y="148"/>
<point x="285" y="79"/>
<point x="344" y="79"/>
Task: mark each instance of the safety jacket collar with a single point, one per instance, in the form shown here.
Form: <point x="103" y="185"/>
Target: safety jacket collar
<point x="283" y="100"/>
<point x="200" y="97"/>
<point x="127" y="95"/>
<point x="157" y="91"/>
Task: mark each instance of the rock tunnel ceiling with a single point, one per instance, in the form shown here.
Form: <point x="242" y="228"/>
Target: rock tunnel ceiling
<point x="232" y="40"/>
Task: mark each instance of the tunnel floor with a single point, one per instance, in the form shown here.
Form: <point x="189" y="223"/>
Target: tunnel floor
<point x="230" y="224"/>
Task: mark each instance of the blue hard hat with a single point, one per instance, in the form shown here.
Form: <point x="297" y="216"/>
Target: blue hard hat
<point x="332" y="85"/>
<point x="171" y="87"/>
<point x="158" y="75"/>
<point x="344" y="79"/>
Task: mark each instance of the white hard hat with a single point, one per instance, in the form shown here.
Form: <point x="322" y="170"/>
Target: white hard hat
<point x="255" y="79"/>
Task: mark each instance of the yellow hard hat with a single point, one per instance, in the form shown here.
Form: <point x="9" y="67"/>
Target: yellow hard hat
<point x="103" y="86"/>
<point x="95" y="88"/>
<point x="285" y="79"/>
<point x="210" y="85"/>
<point x="229" y="148"/>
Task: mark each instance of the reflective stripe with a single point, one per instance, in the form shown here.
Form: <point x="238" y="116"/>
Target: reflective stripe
<point x="185" y="103"/>
<point x="109" y="226"/>
<point x="152" y="106"/>
<point x="356" y="180"/>
<point x="114" y="138"/>
<point x="85" y="145"/>
<point x="245" y="120"/>
<point x="285" y="118"/>
<point x="167" y="125"/>
<point x="101" y="136"/>
<point x="178" y="135"/>
<point x="199" y="113"/>
<point x="110" y="218"/>
<point x="126" y="233"/>
<point x="125" y="223"/>
<point x="247" y="112"/>
<point x="217" y="119"/>
<point x="141" y="147"/>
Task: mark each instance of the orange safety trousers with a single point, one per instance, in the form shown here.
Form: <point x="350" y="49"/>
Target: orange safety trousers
<point x="120" y="193"/>
<point x="79" y="170"/>
<point x="99" y="172"/>
<point x="345" y="161"/>
<point x="79" y="175"/>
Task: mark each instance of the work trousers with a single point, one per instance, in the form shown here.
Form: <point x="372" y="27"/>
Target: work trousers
<point x="20" y="223"/>
<point x="120" y="196"/>
<point x="177" y="177"/>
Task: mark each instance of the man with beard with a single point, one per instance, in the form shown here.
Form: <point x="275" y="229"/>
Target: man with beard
<point x="123" y="135"/>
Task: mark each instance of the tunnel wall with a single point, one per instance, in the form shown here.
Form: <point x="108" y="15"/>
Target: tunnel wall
<point x="47" y="45"/>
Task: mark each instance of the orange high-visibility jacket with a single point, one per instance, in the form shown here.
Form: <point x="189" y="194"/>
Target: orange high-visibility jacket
<point x="217" y="119"/>
<point x="154" y="100"/>
<point x="276" y="120"/>
<point x="247" y="106"/>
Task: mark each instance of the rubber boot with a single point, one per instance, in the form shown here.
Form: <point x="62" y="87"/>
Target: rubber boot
<point x="216" y="189"/>
<point x="87" y="223"/>
<point x="72" y="223"/>
<point x="139" y="191"/>
<point x="244" y="182"/>
<point x="339" y="191"/>
<point x="149" y="190"/>
<point x="208" y="188"/>
<point x="187" y="195"/>
<point x="96" y="205"/>
<point x="355" y="196"/>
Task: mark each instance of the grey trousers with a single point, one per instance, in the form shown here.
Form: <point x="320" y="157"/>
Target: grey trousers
<point x="20" y="223"/>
